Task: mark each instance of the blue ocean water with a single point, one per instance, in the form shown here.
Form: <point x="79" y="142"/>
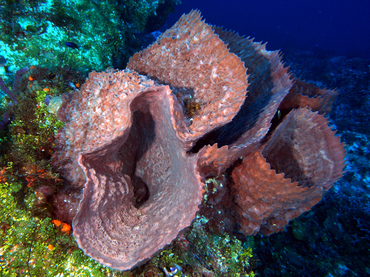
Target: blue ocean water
<point x="337" y="27"/>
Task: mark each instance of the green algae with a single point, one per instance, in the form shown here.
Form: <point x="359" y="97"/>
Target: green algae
<point x="105" y="32"/>
<point x="33" y="246"/>
<point x="222" y="253"/>
<point x="30" y="243"/>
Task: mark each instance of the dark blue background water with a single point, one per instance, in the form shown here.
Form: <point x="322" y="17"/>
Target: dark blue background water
<point x="335" y="27"/>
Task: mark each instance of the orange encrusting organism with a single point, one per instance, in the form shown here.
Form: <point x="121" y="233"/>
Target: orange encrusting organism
<point x="56" y="222"/>
<point x="66" y="228"/>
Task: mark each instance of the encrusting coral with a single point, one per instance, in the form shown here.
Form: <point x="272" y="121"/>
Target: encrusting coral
<point x="142" y="158"/>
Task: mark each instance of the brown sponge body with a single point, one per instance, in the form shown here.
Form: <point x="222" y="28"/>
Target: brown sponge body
<point x="141" y="146"/>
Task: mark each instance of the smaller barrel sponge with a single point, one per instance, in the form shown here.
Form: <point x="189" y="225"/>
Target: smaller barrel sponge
<point x="140" y="143"/>
<point x="289" y="175"/>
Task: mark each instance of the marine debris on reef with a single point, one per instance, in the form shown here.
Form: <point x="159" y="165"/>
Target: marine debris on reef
<point x="142" y="158"/>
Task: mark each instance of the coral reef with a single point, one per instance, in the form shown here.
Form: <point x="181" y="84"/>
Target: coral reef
<point x="32" y="241"/>
<point x="223" y="254"/>
<point x="142" y="157"/>
<point x="106" y="33"/>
